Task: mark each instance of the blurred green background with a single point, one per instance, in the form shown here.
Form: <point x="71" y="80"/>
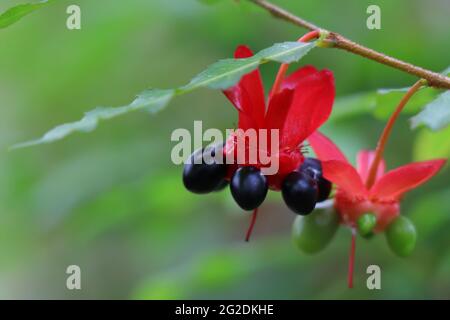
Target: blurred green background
<point x="112" y="202"/>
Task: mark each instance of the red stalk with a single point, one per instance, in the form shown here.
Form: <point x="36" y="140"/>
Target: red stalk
<point x="284" y="67"/>
<point x="387" y="131"/>
<point x="351" y="261"/>
<point x="252" y="224"/>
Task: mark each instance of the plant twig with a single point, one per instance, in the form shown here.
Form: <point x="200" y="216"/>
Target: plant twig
<point x="387" y="131"/>
<point x="338" y="41"/>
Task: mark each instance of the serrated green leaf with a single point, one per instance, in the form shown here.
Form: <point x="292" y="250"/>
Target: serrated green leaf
<point x="430" y="145"/>
<point x="225" y="73"/>
<point x="220" y="75"/>
<point x="151" y="100"/>
<point x="286" y="52"/>
<point x="436" y="115"/>
<point x="16" y="13"/>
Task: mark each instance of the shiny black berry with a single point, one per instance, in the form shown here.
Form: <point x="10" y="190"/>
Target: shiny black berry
<point x="313" y="168"/>
<point x="200" y="176"/>
<point x="300" y="192"/>
<point x="248" y="187"/>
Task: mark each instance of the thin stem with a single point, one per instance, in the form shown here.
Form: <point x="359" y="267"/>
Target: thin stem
<point x="351" y="261"/>
<point x="387" y="131"/>
<point x="284" y="66"/>
<point x="284" y="14"/>
<point x="252" y="224"/>
<point x="279" y="79"/>
<point x="338" y="41"/>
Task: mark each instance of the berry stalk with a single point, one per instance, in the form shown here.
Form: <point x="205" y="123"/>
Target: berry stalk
<point x="351" y="261"/>
<point x="252" y="224"/>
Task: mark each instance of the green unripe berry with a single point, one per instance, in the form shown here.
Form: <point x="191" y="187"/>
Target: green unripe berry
<point x="401" y="236"/>
<point x="366" y="223"/>
<point x="312" y="233"/>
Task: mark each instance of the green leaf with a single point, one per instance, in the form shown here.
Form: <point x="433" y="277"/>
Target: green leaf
<point x="380" y="103"/>
<point x="151" y="100"/>
<point x="220" y="75"/>
<point x="286" y="52"/>
<point x="388" y="99"/>
<point x="225" y="73"/>
<point x="436" y="115"/>
<point x="16" y="13"/>
<point x="430" y="145"/>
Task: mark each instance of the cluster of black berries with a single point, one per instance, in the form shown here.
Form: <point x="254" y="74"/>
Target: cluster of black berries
<point x="301" y="189"/>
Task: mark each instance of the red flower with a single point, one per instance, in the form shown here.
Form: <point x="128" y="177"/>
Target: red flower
<point x="299" y="107"/>
<point x="353" y="198"/>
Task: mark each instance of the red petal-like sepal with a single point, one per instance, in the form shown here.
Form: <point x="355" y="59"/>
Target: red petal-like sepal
<point x="324" y="148"/>
<point x="364" y="161"/>
<point x="344" y="176"/>
<point x="311" y="106"/>
<point x="248" y="95"/>
<point x="398" y="181"/>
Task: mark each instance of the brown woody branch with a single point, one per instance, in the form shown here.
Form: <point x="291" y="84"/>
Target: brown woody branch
<point x="336" y="40"/>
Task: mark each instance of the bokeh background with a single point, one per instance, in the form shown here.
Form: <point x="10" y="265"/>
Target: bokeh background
<point x="112" y="202"/>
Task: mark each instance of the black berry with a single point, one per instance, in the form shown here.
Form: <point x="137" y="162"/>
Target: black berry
<point x="300" y="192"/>
<point x="324" y="189"/>
<point x="203" y="177"/>
<point x="248" y="187"/>
<point x="313" y="168"/>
